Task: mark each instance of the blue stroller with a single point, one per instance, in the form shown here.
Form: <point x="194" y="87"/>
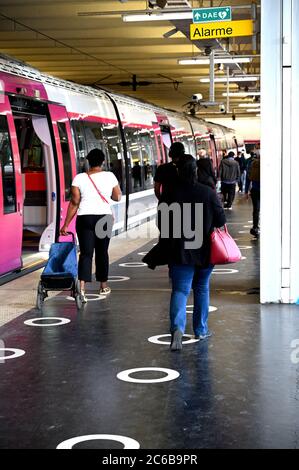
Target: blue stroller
<point x="60" y="273"/>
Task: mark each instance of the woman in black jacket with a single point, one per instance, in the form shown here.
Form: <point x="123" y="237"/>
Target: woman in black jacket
<point x="188" y="254"/>
<point x="205" y="172"/>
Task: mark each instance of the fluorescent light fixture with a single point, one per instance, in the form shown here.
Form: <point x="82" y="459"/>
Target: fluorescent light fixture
<point x="258" y="115"/>
<point x="217" y="60"/>
<point x="253" y="110"/>
<point x="246" y="78"/>
<point x="249" y="105"/>
<point x="162" y="16"/>
<point x="242" y="94"/>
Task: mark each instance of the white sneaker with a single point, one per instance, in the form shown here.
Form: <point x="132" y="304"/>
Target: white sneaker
<point x="83" y="297"/>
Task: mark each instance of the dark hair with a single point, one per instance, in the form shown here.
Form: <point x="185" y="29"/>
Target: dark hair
<point x="95" y="158"/>
<point x="231" y="154"/>
<point x="187" y="170"/>
<point x="177" y="150"/>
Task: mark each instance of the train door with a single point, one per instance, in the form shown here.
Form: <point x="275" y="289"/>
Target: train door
<point x="11" y="198"/>
<point x="66" y="163"/>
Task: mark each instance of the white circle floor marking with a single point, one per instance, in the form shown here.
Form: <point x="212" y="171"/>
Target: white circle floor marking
<point x="118" y="278"/>
<point x="61" y="321"/>
<point x="250" y="221"/>
<point x="94" y="297"/>
<point x="170" y="375"/>
<point x="156" y="339"/>
<point x="97" y="297"/>
<point x="143" y="253"/>
<point x="247" y="226"/>
<point x="243" y="258"/>
<point x="245" y="247"/>
<point x="191" y="307"/>
<point x="16" y="353"/>
<point x="126" y="441"/>
<point x="225" y="271"/>
<point x="242" y="231"/>
<point x="135" y="264"/>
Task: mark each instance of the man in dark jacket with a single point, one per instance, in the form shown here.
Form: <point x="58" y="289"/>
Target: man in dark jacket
<point x="229" y="176"/>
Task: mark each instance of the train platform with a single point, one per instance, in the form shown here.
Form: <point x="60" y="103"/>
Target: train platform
<point x="68" y="378"/>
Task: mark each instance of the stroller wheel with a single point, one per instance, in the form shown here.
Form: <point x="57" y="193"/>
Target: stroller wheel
<point x="79" y="302"/>
<point x="40" y="296"/>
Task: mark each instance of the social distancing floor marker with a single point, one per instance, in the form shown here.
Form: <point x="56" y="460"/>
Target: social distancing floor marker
<point x="156" y="339"/>
<point x="135" y="264"/>
<point x="16" y="353"/>
<point x="126" y="375"/>
<point x="245" y="247"/>
<point x="190" y="308"/>
<point x="225" y="271"/>
<point x="126" y="441"/>
<point x="59" y="322"/>
<point x="118" y="278"/>
<point x="143" y="253"/>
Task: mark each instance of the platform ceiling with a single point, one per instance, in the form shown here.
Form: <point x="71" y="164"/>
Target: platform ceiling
<point x="52" y="36"/>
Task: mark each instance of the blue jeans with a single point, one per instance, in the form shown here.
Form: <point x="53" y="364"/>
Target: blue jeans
<point x="183" y="278"/>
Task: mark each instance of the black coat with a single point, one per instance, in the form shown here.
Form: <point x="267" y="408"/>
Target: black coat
<point x="205" y="172"/>
<point x="173" y="250"/>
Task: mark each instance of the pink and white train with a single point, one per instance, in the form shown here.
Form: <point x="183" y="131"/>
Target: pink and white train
<point x="47" y="126"/>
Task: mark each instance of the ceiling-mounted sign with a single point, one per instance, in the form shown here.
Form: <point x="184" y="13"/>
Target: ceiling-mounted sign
<point x="202" y="15"/>
<point x="227" y="29"/>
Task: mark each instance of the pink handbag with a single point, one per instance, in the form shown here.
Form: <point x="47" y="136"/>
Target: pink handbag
<point x="224" y="249"/>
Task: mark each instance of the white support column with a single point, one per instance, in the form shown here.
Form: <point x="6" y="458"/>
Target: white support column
<point x="286" y="149"/>
<point x="279" y="156"/>
<point x="271" y="149"/>
<point x="294" y="272"/>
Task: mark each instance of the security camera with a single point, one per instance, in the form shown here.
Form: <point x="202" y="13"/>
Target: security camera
<point x="196" y="98"/>
<point x="222" y="108"/>
<point x="208" y="50"/>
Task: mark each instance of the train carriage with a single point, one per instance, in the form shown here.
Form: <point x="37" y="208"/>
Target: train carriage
<point x="47" y="127"/>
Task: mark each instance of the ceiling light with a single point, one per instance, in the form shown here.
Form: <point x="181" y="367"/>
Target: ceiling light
<point x="217" y="60"/>
<point x="249" y="105"/>
<point x="242" y="94"/>
<point x="167" y="16"/>
<point x="245" y="78"/>
<point x="253" y="110"/>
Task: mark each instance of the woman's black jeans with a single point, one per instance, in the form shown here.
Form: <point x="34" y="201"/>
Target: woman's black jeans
<point x="90" y="242"/>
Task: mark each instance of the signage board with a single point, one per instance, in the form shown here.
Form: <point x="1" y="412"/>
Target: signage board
<point x="201" y="15"/>
<point x="228" y="29"/>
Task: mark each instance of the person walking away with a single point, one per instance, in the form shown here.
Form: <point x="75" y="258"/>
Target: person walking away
<point x="229" y="175"/>
<point x="166" y="176"/>
<point x="205" y="172"/>
<point x="240" y="159"/>
<point x="255" y="193"/>
<point x="91" y="196"/>
<point x="189" y="266"/>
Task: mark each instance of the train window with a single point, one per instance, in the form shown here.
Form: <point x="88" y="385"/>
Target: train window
<point x="66" y="158"/>
<point x="81" y="150"/>
<point x="7" y="169"/>
<point x="149" y="155"/>
<point x="94" y="136"/>
<point x="113" y="145"/>
<point x="135" y="157"/>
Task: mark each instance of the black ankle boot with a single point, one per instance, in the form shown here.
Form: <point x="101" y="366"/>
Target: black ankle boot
<point x="176" y="341"/>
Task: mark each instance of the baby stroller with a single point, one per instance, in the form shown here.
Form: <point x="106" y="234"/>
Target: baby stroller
<point x="60" y="273"/>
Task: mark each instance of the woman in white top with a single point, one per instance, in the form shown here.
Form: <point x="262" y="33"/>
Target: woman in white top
<point x="91" y="193"/>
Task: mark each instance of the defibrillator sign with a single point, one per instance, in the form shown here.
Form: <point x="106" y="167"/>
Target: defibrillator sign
<point x="224" y="29"/>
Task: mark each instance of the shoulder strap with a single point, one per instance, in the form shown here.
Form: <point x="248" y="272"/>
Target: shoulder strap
<point x="98" y="191"/>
